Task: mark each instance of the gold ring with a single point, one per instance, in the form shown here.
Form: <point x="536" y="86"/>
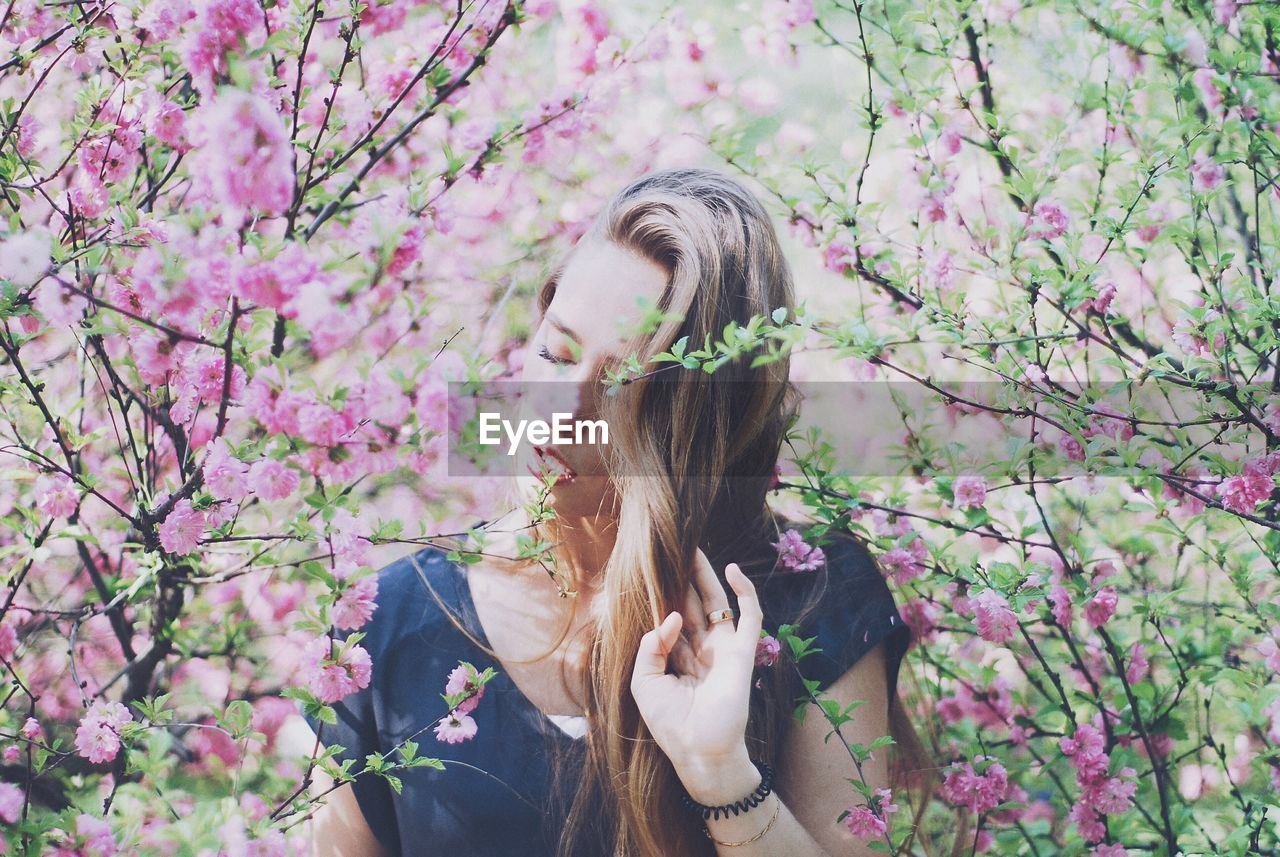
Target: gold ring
<point x="724" y="615"/>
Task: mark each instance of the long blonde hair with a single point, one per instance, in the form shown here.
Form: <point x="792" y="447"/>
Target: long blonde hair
<point x="692" y="460"/>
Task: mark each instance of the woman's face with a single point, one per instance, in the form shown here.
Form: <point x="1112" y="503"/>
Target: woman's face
<point x="596" y="302"/>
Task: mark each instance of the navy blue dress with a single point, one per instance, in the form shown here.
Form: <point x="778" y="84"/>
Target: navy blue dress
<point x="491" y="798"/>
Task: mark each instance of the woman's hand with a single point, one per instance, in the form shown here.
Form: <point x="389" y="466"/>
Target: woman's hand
<point x="698" y="712"/>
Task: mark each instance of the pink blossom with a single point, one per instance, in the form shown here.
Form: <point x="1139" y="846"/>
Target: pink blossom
<point x="942" y="270"/>
<point x="463" y="679"/>
<point x="31" y="730"/>
<point x="272" y="480"/>
<point x="89" y="196"/>
<point x="356" y="604"/>
<point x="1138" y="665"/>
<point x="1243" y="492"/>
<point x="335" y="676"/>
<point x="1099" y="609"/>
<point x="56" y="495"/>
<point x="1106" y="294"/>
<point x="1070" y="446"/>
<point x="456" y="728"/>
<point x="970" y="490"/>
<point x="1048" y="220"/>
<point x="838" y="256"/>
<point x="11" y="800"/>
<point x="767" y="650"/>
<point x="996" y="620"/>
<point x="168" y="124"/>
<point x="1107" y="851"/>
<point x="1060" y="600"/>
<point x="949" y="142"/>
<point x="224" y="474"/>
<point x="990" y="707"/>
<point x="903" y="564"/>
<point x="25" y="256"/>
<point x="1206" y="174"/>
<point x="180" y="533"/>
<point x="245" y="156"/>
<point x="979" y="792"/>
<point x="921" y="616"/>
<point x="1106" y="421"/>
<point x="98" y="735"/>
<point x="95" y="837"/>
<point x="1087" y="749"/>
<point x="864" y="823"/>
<point x="1205" y="80"/>
<point x="796" y="555"/>
<point x="1192" y="337"/>
<point x="8" y="641"/>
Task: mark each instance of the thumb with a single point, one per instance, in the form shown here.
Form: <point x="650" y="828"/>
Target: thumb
<point x="651" y="658"/>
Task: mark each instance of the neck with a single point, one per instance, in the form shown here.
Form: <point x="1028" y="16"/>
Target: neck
<point x="583" y="545"/>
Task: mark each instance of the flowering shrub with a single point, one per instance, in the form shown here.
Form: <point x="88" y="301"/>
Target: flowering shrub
<point x="246" y="245"/>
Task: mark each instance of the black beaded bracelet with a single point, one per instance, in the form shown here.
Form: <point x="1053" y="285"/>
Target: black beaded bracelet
<point x="739" y="806"/>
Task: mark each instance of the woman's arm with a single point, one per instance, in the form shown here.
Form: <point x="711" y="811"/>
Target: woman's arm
<point x="812" y="784"/>
<point x="338" y="827"/>
<point x="698" y="716"/>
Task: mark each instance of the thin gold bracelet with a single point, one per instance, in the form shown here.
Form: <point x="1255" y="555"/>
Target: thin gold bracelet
<point x="776" y="811"/>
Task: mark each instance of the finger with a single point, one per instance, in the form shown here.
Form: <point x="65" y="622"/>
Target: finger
<point x="750" y="616"/>
<point x="651" y="657"/>
<point x="710" y="590"/>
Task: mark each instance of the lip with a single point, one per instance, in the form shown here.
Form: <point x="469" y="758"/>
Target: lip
<point x="552" y="462"/>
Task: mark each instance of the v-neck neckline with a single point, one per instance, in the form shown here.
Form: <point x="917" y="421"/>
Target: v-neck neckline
<point x="543" y="718"/>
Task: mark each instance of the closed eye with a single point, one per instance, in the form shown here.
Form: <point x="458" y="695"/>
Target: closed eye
<point x="546" y="355"/>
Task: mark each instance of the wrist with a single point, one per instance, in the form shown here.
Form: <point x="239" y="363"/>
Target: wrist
<point x="714" y="781"/>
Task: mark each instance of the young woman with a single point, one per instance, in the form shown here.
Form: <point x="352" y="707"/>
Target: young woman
<point x="620" y="712"/>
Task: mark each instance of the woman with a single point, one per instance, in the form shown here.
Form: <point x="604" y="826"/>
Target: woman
<point x="643" y="703"/>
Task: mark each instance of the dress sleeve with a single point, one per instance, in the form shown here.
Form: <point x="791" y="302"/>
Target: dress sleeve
<point x="358" y="732"/>
<point x="855" y="613"/>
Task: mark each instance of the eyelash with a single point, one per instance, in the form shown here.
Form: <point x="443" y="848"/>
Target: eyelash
<point x="551" y="358"/>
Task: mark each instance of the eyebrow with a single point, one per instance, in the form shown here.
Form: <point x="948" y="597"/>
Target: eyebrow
<point x="560" y="326"/>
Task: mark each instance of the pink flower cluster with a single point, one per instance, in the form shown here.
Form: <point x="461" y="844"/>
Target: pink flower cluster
<point x="224" y="24"/>
<point x="767" y="650"/>
<point x="1047" y="220"/>
<point x="969" y="490"/>
<point x="458" y="725"/>
<point x="98" y="736"/>
<point x="870" y="820"/>
<point x="463" y="679"/>
<point x="56" y="495"/>
<point x="336" y="675"/>
<point x="796" y="555"/>
<point x="182" y="528"/>
<point x="93" y="838"/>
<point x="12" y="798"/>
<point x="997" y="623"/>
<point x="357" y="603"/>
<point x="1246" y="490"/>
<point x="251" y="168"/>
<point x="1099" y="609"/>
<point x="981" y="792"/>
<point x="1100" y="794"/>
<point x="1206" y="173"/>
